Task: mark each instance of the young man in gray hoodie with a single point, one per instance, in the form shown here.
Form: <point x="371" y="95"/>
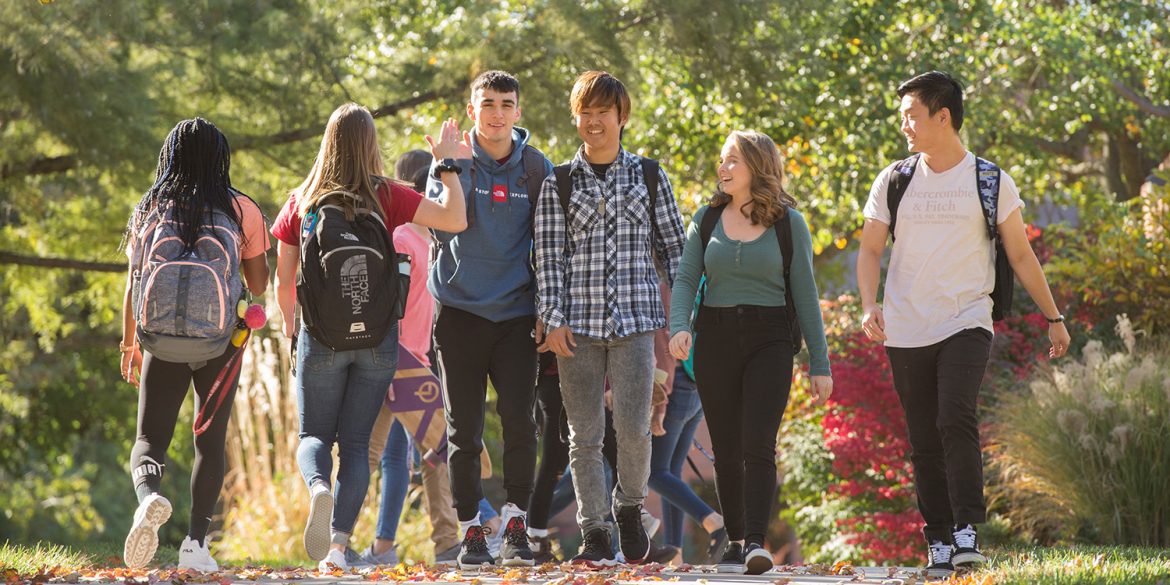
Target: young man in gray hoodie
<point x="483" y="282"/>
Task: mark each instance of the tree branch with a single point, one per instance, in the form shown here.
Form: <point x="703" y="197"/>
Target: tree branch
<point x="45" y="165"/>
<point x="68" y="263"/>
<point x="1142" y="102"/>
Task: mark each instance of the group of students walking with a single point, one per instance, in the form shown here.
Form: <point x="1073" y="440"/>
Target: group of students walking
<point x="575" y="285"/>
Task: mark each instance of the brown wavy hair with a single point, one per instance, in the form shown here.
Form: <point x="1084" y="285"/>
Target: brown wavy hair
<point x="349" y="160"/>
<point x="770" y="201"/>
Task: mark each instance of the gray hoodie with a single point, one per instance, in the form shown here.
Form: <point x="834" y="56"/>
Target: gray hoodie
<point x="487" y="269"/>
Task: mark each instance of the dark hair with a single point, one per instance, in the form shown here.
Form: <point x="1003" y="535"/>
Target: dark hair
<point x="192" y="179"/>
<point x="413" y="167"/>
<point x="500" y="81"/>
<point x="937" y="90"/>
<point x="598" y="88"/>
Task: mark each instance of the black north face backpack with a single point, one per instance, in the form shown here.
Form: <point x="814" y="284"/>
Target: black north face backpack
<point x="350" y="288"/>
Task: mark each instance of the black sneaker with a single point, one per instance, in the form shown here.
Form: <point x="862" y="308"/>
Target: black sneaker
<point x="732" y="561"/>
<point x="631" y="533"/>
<point x="757" y="559"/>
<point x="661" y="553"/>
<point x="939" y="559"/>
<point x="967" y="547"/>
<point x="474" y="551"/>
<point x="716" y="546"/>
<point x="542" y="550"/>
<point x="596" y="550"/>
<point x="514" y="551"/>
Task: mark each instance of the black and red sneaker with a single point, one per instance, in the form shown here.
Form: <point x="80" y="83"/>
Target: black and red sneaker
<point x="596" y="550"/>
<point x="474" y="551"/>
<point x="631" y="534"/>
<point x="515" y="552"/>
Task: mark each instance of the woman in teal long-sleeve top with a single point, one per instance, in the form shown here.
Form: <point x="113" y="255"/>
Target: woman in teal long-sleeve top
<point x="743" y="356"/>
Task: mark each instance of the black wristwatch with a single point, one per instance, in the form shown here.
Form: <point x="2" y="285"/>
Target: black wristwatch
<point x="447" y="165"/>
<point x="1058" y="319"/>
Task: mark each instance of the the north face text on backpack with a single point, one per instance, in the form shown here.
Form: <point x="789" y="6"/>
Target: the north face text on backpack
<point x="355" y="283"/>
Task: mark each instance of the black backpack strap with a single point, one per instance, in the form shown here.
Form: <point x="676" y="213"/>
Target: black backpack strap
<point x="707" y="226"/>
<point x="987" y="182"/>
<point x="783" y="227"/>
<point x="564" y="187"/>
<point x="533" y="160"/>
<point x="900" y="177"/>
<point x="650" y="178"/>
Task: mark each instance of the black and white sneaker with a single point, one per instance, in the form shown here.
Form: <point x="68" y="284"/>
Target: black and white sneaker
<point x="939" y="559"/>
<point x="474" y="552"/>
<point x="596" y="550"/>
<point x="631" y="533"/>
<point x="515" y="552"/>
<point x="732" y="561"/>
<point x="542" y="550"/>
<point x="716" y="546"/>
<point x="661" y="553"/>
<point x="757" y="559"/>
<point x="967" y="547"/>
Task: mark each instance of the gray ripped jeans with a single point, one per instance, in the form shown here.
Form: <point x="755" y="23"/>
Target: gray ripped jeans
<point x="628" y="363"/>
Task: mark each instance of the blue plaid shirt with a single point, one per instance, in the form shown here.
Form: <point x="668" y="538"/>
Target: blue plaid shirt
<point x="595" y="272"/>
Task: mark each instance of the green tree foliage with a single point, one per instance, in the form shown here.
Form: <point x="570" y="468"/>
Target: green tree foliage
<point x="1068" y="95"/>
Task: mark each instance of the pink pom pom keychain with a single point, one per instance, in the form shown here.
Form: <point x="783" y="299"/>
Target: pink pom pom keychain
<point x="255" y="317"/>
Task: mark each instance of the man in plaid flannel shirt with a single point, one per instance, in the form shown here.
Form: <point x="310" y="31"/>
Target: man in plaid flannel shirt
<point x="598" y="300"/>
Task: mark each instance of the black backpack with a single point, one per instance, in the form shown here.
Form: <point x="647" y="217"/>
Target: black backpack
<point x="783" y="228"/>
<point x="350" y="288"/>
<point x="987" y="185"/>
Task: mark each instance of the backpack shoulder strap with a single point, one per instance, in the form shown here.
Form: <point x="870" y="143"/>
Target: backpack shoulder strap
<point x="533" y="161"/>
<point x="896" y="187"/>
<point x="707" y="225"/>
<point x="783" y="228"/>
<point x="987" y="176"/>
<point x="650" y="177"/>
<point x="564" y="185"/>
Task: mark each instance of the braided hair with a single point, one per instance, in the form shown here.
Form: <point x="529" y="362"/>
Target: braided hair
<point x="192" y="179"/>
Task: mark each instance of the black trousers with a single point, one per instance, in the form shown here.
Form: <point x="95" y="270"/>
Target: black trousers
<point x="554" y="452"/>
<point x="162" y="391"/>
<point x="471" y="350"/>
<point x="743" y="369"/>
<point x="938" y="386"/>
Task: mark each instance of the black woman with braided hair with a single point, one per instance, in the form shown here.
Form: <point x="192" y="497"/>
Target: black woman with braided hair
<point x="188" y="240"/>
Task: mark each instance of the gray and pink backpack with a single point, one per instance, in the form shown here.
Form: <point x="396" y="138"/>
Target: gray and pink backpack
<point x="185" y="300"/>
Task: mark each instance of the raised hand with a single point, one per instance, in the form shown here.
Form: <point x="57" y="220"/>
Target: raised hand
<point x="449" y="144"/>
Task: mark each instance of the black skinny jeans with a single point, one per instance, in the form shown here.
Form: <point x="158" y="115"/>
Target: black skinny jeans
<point x="743" y="369"/>
<point x="472" y="349"/>
<point x="162" y="391"/>
<point x="938" y="386"/>
<point x="554" y="453"/>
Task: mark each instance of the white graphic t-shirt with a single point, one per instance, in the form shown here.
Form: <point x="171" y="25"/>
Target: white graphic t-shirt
<point x="942" y="267"/>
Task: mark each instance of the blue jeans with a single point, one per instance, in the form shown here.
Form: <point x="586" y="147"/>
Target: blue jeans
<point x="339" y="394"/>
<point x="395" y="481"/>
<point x="684" y="412"/>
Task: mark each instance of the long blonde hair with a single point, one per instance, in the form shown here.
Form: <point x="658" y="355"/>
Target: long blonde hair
<point x="770" y="201"/>
<point x="349" y="160"/>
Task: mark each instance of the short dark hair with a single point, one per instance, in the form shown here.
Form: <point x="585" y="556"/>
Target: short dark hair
<point x="500" y="81"/>
<point x="937" y="90"/>
<point x="412" y="167"/>
<point x="598" y="88"/>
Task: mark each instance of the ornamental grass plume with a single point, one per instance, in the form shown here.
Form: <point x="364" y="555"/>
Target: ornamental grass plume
<point x="1090" y="442"/>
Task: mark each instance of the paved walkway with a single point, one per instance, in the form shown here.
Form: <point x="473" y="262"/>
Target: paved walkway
<point x="547" y="575"/>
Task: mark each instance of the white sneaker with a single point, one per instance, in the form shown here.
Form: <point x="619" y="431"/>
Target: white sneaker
<point x="333" y="559"/>
<point x="318" y="536"/>
<point x="142" y="541"/>
<point x="650" y="523"/>
<point x="193" y="555"/>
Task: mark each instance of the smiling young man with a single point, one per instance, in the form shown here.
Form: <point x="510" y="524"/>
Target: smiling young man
<point x="482" y="280"/>
<point x="598" y="227"/>
<point x="936" y="320"/>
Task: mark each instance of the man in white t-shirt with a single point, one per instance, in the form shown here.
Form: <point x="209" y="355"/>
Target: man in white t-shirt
<point x="936" y="323"/>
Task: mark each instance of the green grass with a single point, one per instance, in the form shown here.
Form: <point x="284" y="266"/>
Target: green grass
<point x="29" y="560"/>
<point x="1079" y="565"/>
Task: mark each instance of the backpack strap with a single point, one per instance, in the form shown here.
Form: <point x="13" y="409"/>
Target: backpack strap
<point x="707" y="226"/>
<point x="896" y="187"/>
<point x="533" y="160"/>
<point x="987" y="176"/>
<point x="564" y="186"/>
<point x="783" y="227"/>
<point x="650" y="177"/>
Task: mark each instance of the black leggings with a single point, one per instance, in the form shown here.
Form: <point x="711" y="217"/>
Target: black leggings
<point x="162" y="391"/>
<point x="554" y="455"/>
<point x="743" y="369"/>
